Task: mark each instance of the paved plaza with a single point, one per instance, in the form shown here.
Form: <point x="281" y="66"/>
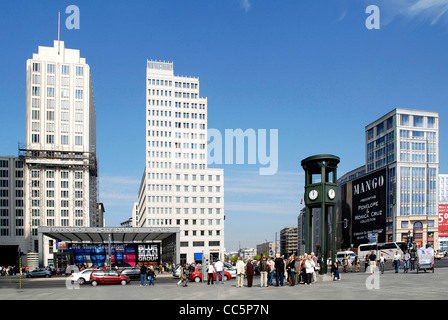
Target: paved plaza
<point x="353" y="286"/>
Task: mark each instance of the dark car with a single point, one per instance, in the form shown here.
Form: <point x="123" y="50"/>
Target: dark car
<point x="133" y="273"/>
<point x="39" y="272"/>
<point x="108" y="277"/>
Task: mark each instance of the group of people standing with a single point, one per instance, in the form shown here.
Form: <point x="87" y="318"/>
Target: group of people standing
<point x="147" y="275"/>
<point x="294" y="270"/>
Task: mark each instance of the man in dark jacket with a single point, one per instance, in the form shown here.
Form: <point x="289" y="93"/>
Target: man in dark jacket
<point x="143" y="277"/>
<point x="279" y="270"/>
<point x="263" y="268"/>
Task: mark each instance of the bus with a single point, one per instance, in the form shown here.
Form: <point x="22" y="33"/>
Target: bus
<point x="388" y="249"/>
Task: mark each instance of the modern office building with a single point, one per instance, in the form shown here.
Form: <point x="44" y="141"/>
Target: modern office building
<point x="60" y="164"/>
<point x="177" y="188"/>
<point x="406" y="143"/>
<point x="289" y="242"/>
<point x="267" y="248"/>
<point x="12" y="219"/>
<point x="443" y="211"/>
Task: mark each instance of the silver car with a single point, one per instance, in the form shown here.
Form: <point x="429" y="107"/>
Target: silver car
<point x="39" y="272"/>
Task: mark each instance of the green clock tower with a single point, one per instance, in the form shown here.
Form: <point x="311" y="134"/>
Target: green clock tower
<point x="320" y="193"/>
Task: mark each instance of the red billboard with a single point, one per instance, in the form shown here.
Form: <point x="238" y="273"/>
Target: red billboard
<point x="443" y="220"/>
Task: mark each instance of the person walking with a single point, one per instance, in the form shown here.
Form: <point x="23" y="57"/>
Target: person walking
<point x="250" y="271"/>
<point x="219" y="267"/>
<point x="143" y="279"/>
<point x="413" y="254"/>
<point x="240" y="272"/>
<point x="151" y="275"/>
<point x="406" y="259"/>
<point x="263" y="268"/>
<point x="210" y="271"/>
<point x="382" y="262"/>
<point x="372" y="262"/>
<point x="279" y="270"/>
<point x="184" y="276"/>
<point x="335" y="271"/>
<point x="396" y="262"/>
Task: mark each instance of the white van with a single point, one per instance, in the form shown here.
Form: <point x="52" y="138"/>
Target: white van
<point x="342" y="255"/>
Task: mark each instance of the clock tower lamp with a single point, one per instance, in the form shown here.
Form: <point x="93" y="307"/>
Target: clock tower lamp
<point x="320" y="193"/>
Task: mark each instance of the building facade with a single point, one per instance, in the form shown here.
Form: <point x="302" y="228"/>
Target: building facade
<point x="267" y="248"/>
<point x="289" y="242"/>
<point x="443" y="212"/>
<point x="406" y="142"/>
<point x="12" y="213"/>
<point x="177" y="188"/>
<point x="60" y="165"/>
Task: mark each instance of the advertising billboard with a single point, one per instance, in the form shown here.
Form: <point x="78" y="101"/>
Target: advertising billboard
<point x="148" y="254"/>
<point x="443" y="219"/>
<point x="122" y="254"/>
<point x="369" y="203"/>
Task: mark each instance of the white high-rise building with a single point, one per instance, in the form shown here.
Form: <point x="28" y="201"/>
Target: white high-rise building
<point x="406" y="142"/>
<point x="60" y="183"/>
<point x="177" y="188"/>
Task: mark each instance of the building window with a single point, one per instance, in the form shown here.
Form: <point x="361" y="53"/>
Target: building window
<point x="418" y="121"/>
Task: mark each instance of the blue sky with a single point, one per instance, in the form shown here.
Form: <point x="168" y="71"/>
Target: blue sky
<point x="310" y="69"/>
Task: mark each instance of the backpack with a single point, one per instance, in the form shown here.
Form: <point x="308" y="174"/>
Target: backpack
<point x="263" y="265"/>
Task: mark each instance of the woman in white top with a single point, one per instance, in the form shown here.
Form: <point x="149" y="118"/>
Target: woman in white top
<point x="210" y="272"/>
<point x="309" y="269"/>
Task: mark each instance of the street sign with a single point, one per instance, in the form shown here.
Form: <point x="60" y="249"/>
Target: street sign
<point x="373" y="237"/>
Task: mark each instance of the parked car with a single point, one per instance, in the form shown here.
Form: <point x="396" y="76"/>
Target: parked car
<point x="39" y="272"/>
<point x="177" y="271"/>
<point x="197" y="272"/>
<point x="133" y="273"/>
<point x="439" y="254"/>
<point x="108" y="277"/>
<point x="59" y="272"/>
<point x="82" y="276"/>
<point x="230" y="269"/>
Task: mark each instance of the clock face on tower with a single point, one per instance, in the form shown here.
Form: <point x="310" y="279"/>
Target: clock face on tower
<point x="313" y="194"/>
<point x="331" y="194"/>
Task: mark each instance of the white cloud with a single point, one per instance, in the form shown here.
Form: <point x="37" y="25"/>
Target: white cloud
<point x="432" y="11"/>
<point x="246" y="5"/>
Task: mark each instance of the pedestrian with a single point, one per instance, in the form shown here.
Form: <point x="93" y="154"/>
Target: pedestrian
<point x="413" y="256"/>
<point x="366" y="262"/>
<point x="303" y="269"/>
<point x="382" y="262"/>
<point x="151" y="275"/>
<point x="315" y="265"/>
<point x="309" y="270"/>
<point x="183" y="276"/>
<point x="297" y="267"/>
<point x="143" y="271"/>
<point x="240" y="272"/>
<point x="271" y="270"/>
<point x="335" y="271"/>
<point x="372" y="262"/>
<point x="396" y="262"/>
<point x="279" y="270"/>
<point x="349" y="264"/>
<point x="210" y="271"/>
<point x="406" y="259"/>
<point x="250" y="271"/>
<point x="219" y="267"/>
<point x="291" y="270"/>
<point x="263" y="268"/>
